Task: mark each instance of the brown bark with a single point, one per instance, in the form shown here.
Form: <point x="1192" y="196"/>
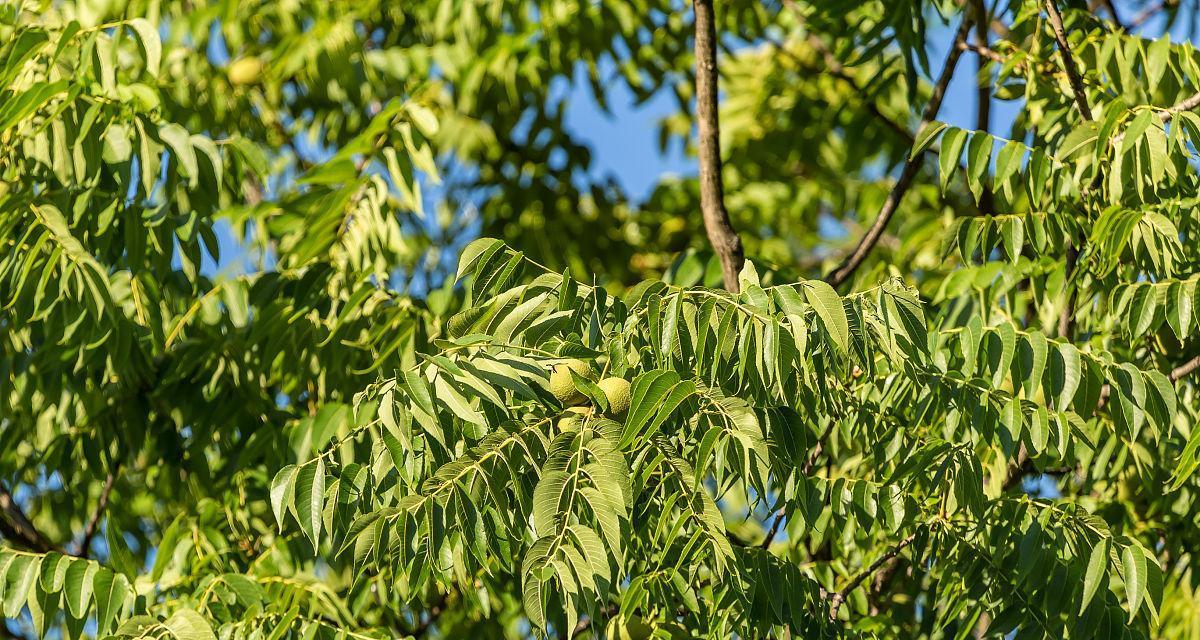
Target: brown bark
<point x="721" y="234"/>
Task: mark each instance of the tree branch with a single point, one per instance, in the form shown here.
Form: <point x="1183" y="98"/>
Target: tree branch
<point x="1112" y="12"/>
<point x="721" y="234"/>
<point x="93" y="524"/>
<point x="17" y="528"/>
<point x="1066" y="318"/>
<point x="1146" y="14"/>
<point x="1022" y="465"/>
<point x="1184" y="369"/>
<point x="844" y="271"/>
<point x="1064" y="50"/>
<point x="838" y="597"/>
<point x="983" y="96"/>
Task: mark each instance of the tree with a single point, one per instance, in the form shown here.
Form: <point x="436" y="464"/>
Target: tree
<point x="928" y="382"/>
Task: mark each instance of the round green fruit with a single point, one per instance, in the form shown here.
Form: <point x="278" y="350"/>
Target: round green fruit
<point x="245" y="70"/>
<point x="562" y="385"/>
<point x="616" y="390"/>
<point x="629" y="628"/>
<point x="572" y="417"/>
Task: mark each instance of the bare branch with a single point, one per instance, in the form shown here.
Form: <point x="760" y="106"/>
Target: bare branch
<point x="983" y="99"/>
<point x="721" y="234"/>
<point x="17" y="528"/>
<point x="1064" y="50"/>
<point x="1184" y="369"/>
<point x="93" y="524"/>
<point x="1066" y="318"/>
<point x="1146" y="14"/>
<point x="844" y="271"/>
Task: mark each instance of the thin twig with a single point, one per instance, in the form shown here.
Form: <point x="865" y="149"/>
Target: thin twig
<point x="94" y="523"/>
<point x="983" y="106"/>
<point x="1146" y="14"/>
<point x="721" y="234"/>
<point x="1064" y="50"/>
<point x="911" y="166"/>
<point x="838" y="597"/>
<point x="1022" y="465"/>
<point x="1066" y="318"/>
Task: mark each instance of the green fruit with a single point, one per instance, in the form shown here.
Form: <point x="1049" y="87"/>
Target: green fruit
<point x="629" y="628"/>
<point x="563" y="386"/>
<point x="245" y="70"/>
<point x="616" y="390"/>
<point x="572" y="417"/>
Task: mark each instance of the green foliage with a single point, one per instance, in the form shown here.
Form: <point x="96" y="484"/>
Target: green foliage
<point x="356" y="426"/>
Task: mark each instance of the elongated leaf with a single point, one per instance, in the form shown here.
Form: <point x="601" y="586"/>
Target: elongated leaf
<point x="310" y="499"/>
<point x="828" y="305"/>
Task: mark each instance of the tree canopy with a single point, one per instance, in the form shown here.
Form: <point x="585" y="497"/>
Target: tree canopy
<point x="318" y="320"/>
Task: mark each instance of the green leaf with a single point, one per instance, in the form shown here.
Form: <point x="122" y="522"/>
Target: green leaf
<point x="1136" y="129"/>
<point x="151" y="44"/>
<point x="1133" y="561"/>
<point x="1096" y="567"/>
<point x="310" y="499"/>
<point x="925" y="137"/>
<point x="18" y="108"/>
<point x="119" y="556"/>
<point x="828" y="305"/>
<point x="18" y="583"/>
<point x="952" y="146"/>
<point x="477" y="252"/>
<point x="283" y="493"/>
<point x="112" y="590"/>
<point x="654" y="397"/>
<point x="186" y="624"/>
<point x="180" y="142"/>
<point x="78" y="586"/>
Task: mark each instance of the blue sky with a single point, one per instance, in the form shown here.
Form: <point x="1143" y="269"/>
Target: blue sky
<point x="624" y="140"/>
<point x="625" y="143"/>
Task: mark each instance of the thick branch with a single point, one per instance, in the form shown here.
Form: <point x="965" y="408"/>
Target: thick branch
<point x="17" y="528"/>
<point x="911" y="166"/>
<point x="838" y="597"/>
<point x="721" y="234"/>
